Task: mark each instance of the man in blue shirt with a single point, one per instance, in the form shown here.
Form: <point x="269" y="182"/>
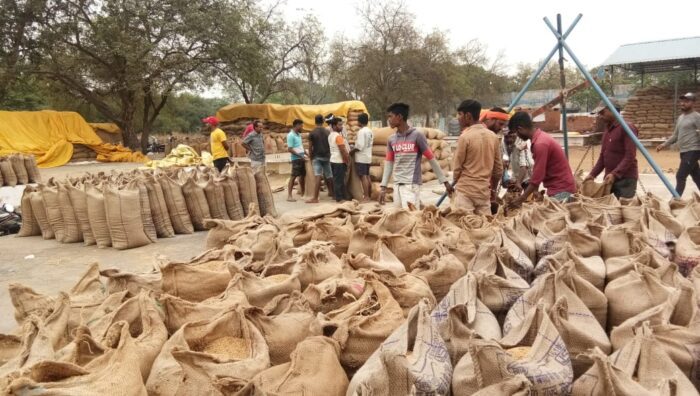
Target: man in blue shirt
<point x="296" y="148"/>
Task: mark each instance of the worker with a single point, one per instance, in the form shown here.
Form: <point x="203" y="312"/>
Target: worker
<point x="495" y="119"/>
<point x="363" y="155"/>
<point x="551" y="167"/>
<point x="618" y="154"/>
<point x="248" y="130"/>
<point x="403" y="159"/>
<point x="298" y="156"/>
<point x="217" y="141"/>
<point x="256" y="147"/>
<point x="320" y="154"/>
<point x="521" y="160"/>
<point x="478" y="166"/>
<point x="687" y="135"/>
<point x="340" y="158"/>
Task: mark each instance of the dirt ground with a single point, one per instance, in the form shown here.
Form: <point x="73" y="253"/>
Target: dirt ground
<point x="50" y="267"/>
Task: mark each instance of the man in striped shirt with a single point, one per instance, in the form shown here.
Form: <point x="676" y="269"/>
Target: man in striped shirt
<point x="403" y="159"/>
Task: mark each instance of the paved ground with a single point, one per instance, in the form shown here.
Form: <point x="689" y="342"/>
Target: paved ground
<point x="55" y="266"/>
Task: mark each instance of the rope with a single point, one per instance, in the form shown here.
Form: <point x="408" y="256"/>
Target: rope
<point x="582" y="159"/>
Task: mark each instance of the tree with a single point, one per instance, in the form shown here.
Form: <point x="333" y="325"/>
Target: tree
<point x="125" y="57"/>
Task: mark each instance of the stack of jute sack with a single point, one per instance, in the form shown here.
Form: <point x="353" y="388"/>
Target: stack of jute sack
<point x="651" y="110"/>
<point x="18" y="169"/>
<point x="82" y="153"/>
<point x="133" y="209"/>
<point x="592" y="297"/>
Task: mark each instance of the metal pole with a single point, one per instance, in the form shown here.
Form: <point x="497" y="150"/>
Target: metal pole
<point x="562" y="80"/>
<point x="619" y="118"/>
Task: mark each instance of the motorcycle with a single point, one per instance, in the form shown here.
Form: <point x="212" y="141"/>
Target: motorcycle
<point x="10" y="220"/>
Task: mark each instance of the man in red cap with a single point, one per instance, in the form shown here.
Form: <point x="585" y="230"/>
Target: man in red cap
<point x="218" y="143"/>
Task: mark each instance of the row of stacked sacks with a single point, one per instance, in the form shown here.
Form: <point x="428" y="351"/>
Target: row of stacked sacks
<point x="651" y="109"/>
<point x="583" y="298"/>
<point x="127" y="210"/>
<point x="18" y="169"/>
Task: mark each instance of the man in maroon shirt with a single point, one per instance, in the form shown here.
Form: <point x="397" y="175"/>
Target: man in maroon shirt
<point x="551" y="166"/>
<point x="618" y="155"/>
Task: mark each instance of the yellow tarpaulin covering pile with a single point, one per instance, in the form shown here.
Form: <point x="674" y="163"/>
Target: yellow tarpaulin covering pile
<point x="286" y="114"/>
<point x="105" y="126"/>
<point x="50" y="135"/>
<point x="182" y="155"/>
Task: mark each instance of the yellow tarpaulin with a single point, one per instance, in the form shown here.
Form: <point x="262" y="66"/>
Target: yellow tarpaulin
<point x="105" y="126"/>
<point x="286" y="114"/>
<point x="50" y="136"/>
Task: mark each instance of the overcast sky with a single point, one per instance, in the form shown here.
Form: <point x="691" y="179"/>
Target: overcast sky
<point x="516" y="27"/>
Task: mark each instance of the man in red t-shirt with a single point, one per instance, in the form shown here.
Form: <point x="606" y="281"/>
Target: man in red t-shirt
<point x="551" y="166"/>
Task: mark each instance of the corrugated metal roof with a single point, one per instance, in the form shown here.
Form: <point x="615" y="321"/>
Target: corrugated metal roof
<point x="655" y="51"/>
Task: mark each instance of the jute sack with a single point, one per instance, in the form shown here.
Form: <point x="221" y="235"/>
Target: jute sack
<point x="333" y="293"/>
<point x="687" y="254"/>
<point x="53" y="209"/>
<point x="514" y="386"/>
<point x="516" y="259"/>
<point x="620" y="266"/>
<point x="261" y="291"/>
<point x="149" y="226"/>
<point x="32" y="168"/>
<point x="71" y="228"/>
<point x="263" y="242"/>
<point x="555" y="233"/>
<point x="232" y="197"/>
<point x="694" y="277"/>
<point x="194" y="283"/>
<point x="314" y="369"/>
<point x="218" y="347"/>
<point x="283" y="331"/>
<point x="116" y="372"/>
<point x="97" y="215"/>
<point x="196" y="201"/>
<point x="545" y="362"/>
<point x="78" y="198"/>
<point x="593" y="189"/>
<point x="145" y="324"/>
<point x="312" y="263"/>
<point x="386" y="261"/>
<point x="178" y="311"/>
<point x="461" y="317"/>
<point x="644" y="358"/>
<point x="337" y="230"/>
<point x="441" y="269"/>
<point x="407" y="289"/>
<point x="499" y="286"/>
<point x="175" y="202"/>
<point x="18" y="167"/>
<point x="382" y="135"/>
<point x="118" y="281"/>
<point x="412" y="360"/>
<point x="659" y="230"/>
<point x="28" y="302"/>
<point x="591" y="268"/>
<point x="216" y="199"/>
<point x="220" y="231"/>
<point x="8" y="174"/>
<point x="30" y="225"/>
<point x="123" y="210"/>
<point x="396" y="221"/>
<point x="264" y="193"/>
<point x="360" y="327"/>
<point x="247" y="188"/>
<point x="159" y="209"/>
<point x="689" y="216"/>
<point x="39" y="212"/>
<point x="606" y="378"/>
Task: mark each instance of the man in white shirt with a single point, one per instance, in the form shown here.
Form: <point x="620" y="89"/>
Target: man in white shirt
<point x="363" y="155"/>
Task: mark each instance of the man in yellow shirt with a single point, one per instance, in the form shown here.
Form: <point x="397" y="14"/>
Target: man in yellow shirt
<point x="218" y="143"/>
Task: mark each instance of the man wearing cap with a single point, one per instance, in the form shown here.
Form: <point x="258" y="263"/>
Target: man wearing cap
<point x="495" y="119"/>
<point x="618" y="155"/>
<point x="687" y="135"/>
<point x="256" y="147"/>
<point x="218" y="143"/>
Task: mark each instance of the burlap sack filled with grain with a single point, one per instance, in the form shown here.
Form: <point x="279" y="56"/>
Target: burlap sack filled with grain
<point x="71" y="228"/>
<point x="123" y="210"/>
<point x="461" y="317"/>
<point x="20" y="171"/>
<point x="412" y="360"/>
<point x="606" y="378"/>
<point x="116" y="372"/>
<point x="49" y="193"/>
<point x="179" y="311"/>
<point x="440" y="268"/>
<point x="591" y="268"/>
<point x="8" y="174"/>
<point x="385" y="261"/>
<point x="555" y="233"/>
<point x="30" y="225"/>
<point x="78" y="198"/>
<point x="586" y="302"/>
<point x="536" y="351"/>
<point x="314" y="369"/>
<point x="514" y="386"/>
<point x="159" y="208"/>
<point x="216" y="199"/>
<point x="431" y="225"/>
<point x="39" y="211"/>
<point x="617" y="241"/>
<point x="360" y="327"/>
<point x="247" y="188"/>
<point x="687" y="254"/>
<point x="593" y="189"/>
<point x="232" y="197"/>
<point x="689" y="216"/>
<point x="97" y="215"/>
<point x="406" y="249"/>
<point x="499" y="286"/>
<point x="220" y="231"/>
<point x="200" y="352"/>
<point x="264" y="193"/>
<point x="149" y="226"/>
<point x="407" y="289"/>
<point x="333" y="293"/>
<point x="118" y="281"/>
<point x="261" y="291"/>
<point x="283" y="331"/>
<point x="620" y="266"/>
<point x="175" y="202"/>
<point x="196" y="201"/>
<point x="32" y="169"/>
<point x="312" y="263"/>
<point x="522" y="236"/>
<point x="644" y="358"/>
<point x="382" y="135"/>
<point x="263" y="241"/>
<point x="193" y="282"/>
<point x="659" y="230"/>
<point x="337" y="230"/>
